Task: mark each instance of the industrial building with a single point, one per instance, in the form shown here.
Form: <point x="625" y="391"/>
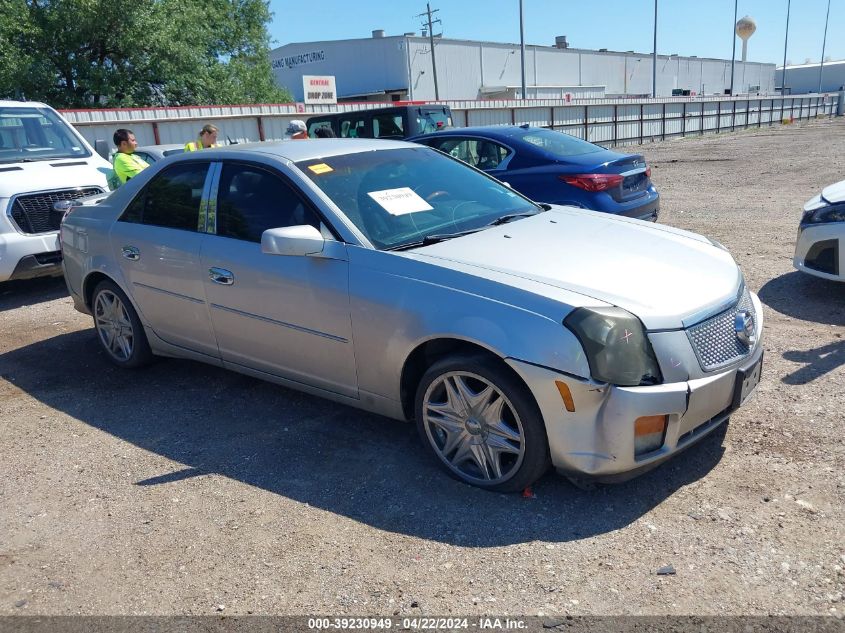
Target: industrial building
<point x="805" y="78"/>
<point x="400" y="68"/>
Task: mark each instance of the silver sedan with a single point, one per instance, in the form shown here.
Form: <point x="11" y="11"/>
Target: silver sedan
<point x="393" y="278"/>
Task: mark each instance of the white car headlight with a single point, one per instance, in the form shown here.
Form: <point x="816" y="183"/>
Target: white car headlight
<point x="824" y="215"/>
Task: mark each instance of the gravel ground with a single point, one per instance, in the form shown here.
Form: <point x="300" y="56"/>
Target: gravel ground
<point x="187" y="489"/>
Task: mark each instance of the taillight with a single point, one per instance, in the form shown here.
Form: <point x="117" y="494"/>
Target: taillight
<point x="593" y="182"/>
<point x="648" y="172"/>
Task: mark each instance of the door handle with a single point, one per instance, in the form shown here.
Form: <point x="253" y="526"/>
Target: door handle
<point x="131" y="253"/>
<point x="221" y="276"/>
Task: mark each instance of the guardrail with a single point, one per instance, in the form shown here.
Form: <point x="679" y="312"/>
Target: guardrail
<point x="603" y="121"/>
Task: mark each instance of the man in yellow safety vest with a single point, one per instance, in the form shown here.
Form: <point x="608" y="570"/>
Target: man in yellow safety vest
<point x="126" y="163"/>
<point x="206" y="140"/>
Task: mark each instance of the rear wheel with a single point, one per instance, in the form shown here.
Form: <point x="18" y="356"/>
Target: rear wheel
<point x="482" y="424"/>
<point x="118" y="327"/>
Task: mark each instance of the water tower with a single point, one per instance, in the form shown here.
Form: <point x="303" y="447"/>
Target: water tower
<point x="745" y="28"/>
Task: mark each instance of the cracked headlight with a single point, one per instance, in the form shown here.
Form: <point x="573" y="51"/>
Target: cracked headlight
<point x="616" y="346"/>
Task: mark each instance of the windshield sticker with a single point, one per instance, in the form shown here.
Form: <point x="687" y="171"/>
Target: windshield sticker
<point x="400" y="201"/>
<point x="320" y="168"/>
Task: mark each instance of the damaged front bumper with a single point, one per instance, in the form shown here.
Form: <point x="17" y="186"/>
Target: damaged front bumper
<point x="597" y="439"/>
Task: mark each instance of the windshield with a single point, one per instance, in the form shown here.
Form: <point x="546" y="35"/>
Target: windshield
<point x="558" y="144"/>
<point x="28" y="134"/>
<point x="401" y="196"/>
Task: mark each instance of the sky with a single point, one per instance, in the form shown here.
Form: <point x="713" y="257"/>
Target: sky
<point x="685" y="27"/>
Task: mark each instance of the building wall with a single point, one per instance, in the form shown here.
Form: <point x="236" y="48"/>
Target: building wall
<point x="465" y="67"/>
<point x="360" y="66"/>
<point x="804" y="79"/>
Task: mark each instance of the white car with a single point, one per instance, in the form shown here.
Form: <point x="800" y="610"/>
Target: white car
<point x="818" y="250"/>
<point x="43" y="160"/>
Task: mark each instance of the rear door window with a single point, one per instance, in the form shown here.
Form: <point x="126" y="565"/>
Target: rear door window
<point x="355" y="126"/>
<point x="388" y="126"/>
<point x="172" y="199"/>
<point x="481" y="153"/>
<point x="313" y="126"/>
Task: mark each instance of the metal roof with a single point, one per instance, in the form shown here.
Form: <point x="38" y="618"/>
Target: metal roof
<point x="813" y="65"/>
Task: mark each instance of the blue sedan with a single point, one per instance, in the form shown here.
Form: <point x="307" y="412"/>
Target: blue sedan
<point x="556" y="168"/>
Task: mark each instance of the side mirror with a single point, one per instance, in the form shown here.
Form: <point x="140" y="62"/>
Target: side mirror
<point x="292" y="240"/>
<point x="102" y="148"/>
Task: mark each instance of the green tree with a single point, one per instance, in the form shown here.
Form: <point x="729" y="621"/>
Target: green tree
<point x="112" y="53"/>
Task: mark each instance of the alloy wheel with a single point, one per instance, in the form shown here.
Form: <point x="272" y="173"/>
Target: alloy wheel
<point x="114" y="327"/>
<point x="473" y="427"/>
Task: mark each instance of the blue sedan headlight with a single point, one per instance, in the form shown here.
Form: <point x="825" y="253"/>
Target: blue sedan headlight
<point x="824" y="215"/>
<point x="616" y="346"/>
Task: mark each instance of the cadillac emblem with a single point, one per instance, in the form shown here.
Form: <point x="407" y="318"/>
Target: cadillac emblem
<point x="744" y="327"/>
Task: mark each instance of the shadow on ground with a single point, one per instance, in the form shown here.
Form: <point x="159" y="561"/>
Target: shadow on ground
<point x="817" y="362"/>
<point x="355" y="464"/>
<point x="809" y="298"/>
<point x="16" y="294"/>
<point x="805" y="297"/>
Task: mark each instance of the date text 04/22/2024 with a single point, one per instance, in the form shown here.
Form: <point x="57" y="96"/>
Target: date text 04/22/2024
<point x="416" y="623"/>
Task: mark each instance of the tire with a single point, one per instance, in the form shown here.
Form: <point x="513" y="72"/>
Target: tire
<point x="502" y="444"/>
<point x="119" y="330"/>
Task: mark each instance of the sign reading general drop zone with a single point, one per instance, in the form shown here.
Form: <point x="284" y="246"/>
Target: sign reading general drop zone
<point x="319" y="89"/>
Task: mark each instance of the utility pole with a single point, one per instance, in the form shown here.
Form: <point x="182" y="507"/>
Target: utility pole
<point x="429" y="25"/>
<point x="654" y="57"/>
<point x="733" y="51"/>
<point x="824" y="41"/>
<point x="522" y="49"/>
<point x="785" y="41"/>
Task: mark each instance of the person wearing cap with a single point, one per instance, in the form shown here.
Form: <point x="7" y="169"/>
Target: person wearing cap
<point x="206" y="140"/>
<point x="297" y="130"/>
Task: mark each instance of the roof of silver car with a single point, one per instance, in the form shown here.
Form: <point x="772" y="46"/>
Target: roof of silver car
<point x="310" y="149"/>
<point x="164" y="147"/>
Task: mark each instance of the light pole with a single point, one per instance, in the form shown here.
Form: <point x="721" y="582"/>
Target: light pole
<point x="654" y="57"/>
<point x="522" y="48"/>
<point x="824" y="41"/>
<point x="733" y="50"/>
<point x="785" y="41"/>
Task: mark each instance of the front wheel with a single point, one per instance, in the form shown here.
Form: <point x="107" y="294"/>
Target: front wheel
<point x="482" y="424"/>
<point x="119" y="330"/>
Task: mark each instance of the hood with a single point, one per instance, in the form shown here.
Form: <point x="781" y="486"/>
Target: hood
<point x="45" y="175"/>
<point x="834" y="193"/>
<point x="669" y="278"/>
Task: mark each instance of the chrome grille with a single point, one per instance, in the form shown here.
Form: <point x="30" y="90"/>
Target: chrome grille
<point x="33" y="213"/>
<point x="715" y="341"/>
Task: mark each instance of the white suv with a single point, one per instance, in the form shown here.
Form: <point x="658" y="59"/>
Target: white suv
<point x="42" y="160"/>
